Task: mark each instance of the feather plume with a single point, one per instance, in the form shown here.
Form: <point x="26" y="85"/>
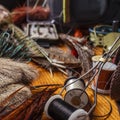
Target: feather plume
<point x="32" y="108"/>
<point x="13" y="95"/>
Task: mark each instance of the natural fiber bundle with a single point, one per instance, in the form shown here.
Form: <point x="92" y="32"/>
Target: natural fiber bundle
<point x="15" y="72"/>
<point x="19" y="15"/>
<point x="8" y="90"/>
<point x="32" y="108"/>
<point x="12" y="96"/>
<point x="115" y="84"/>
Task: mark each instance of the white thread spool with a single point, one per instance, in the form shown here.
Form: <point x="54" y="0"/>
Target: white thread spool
<point x="75" y="94"/>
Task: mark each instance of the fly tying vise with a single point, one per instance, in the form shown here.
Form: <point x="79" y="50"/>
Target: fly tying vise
<point x="76" y="98"/>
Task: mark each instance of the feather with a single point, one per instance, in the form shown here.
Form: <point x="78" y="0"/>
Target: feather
<point x="33" y="48"/>
<point x="32" y="108"/>
<point x="55" y="58"/>
<point x="84" y="55"/>
<point x="13" y="95"/>
<point x="10" y="48"/>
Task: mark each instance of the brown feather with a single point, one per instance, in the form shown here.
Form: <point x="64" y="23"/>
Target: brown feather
<point x="32" y="108"/>
<point x="12" y="96"/>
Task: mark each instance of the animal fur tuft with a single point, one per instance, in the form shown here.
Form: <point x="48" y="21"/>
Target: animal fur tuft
<point x="15" y="72"/>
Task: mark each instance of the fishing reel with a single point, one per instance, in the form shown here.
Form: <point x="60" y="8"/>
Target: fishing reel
<point x="75" y="104"/>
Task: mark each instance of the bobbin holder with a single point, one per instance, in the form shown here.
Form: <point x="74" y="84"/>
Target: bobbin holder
<point x="105" y="57"/>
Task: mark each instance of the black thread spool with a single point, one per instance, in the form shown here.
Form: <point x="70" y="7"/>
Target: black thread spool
<point x="75" y="93"/>
<point x="58" y="109"/>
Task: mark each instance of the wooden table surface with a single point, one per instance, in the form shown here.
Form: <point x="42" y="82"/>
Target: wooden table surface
<point x="102" y="107"/>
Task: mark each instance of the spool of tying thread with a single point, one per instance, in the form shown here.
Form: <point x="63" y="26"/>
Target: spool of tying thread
<point x="57" y="109"/>
<point x="104" y="79"/>
<point x="75" y="94"/>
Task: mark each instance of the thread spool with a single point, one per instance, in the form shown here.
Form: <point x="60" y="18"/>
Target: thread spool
<point x="56" y="108"/>
<point x="75" y="94"/>
<point x="104" y="78"/>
